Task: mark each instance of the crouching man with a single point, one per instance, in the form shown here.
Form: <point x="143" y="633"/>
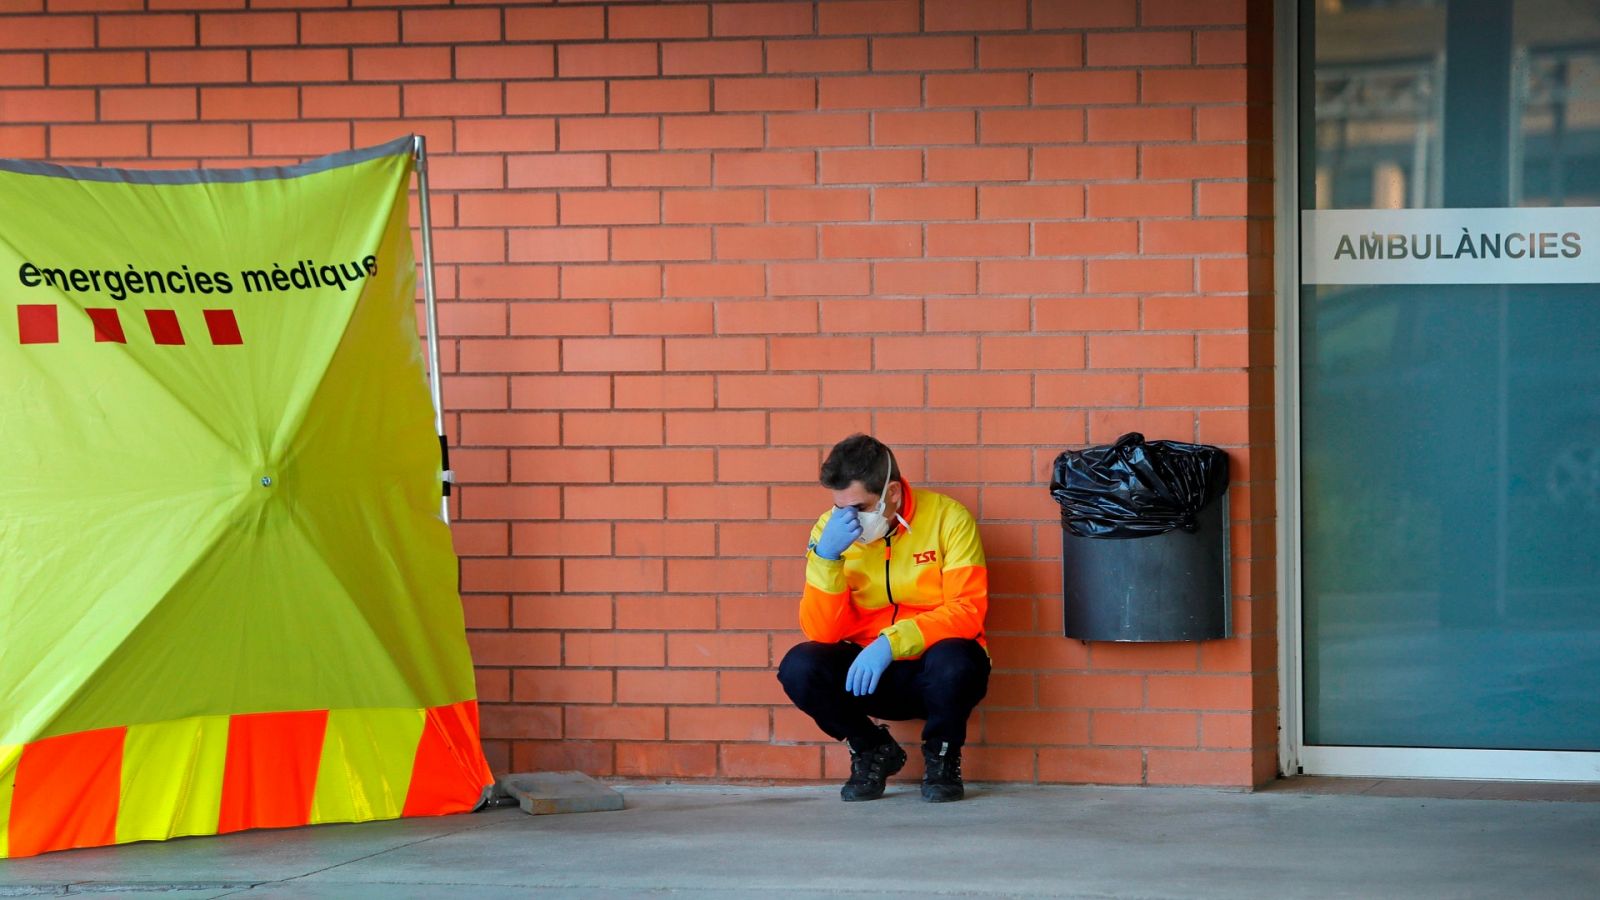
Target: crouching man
<point x="895" y="595"/>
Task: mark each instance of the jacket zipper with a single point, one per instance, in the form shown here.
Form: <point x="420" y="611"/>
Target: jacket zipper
<point x="887" y="587"/>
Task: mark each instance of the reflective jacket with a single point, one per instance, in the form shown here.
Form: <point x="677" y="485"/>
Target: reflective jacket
<point x="918" y="585"/>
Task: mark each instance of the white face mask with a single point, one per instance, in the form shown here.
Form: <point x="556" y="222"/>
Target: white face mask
<point x="875" y="524"/>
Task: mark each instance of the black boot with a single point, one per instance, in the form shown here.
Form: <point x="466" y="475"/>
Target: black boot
<point x="941" y="780"/>
<point x="871" y="767"/>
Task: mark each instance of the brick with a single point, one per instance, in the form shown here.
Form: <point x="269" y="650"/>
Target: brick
<point x="871" y="241"/>
<point x="828" y="353"/>
<point x="520" y="722"/>
<point x="1032" y="201"/>
<point x="1196" y="161"/>
<point x="22" y="69"/>
<point x="1154" y="123"/>
<point x="1030" y="126"/>
<point x="1076" y="14"/>
<point x="922" y="278"/>
<point x="767" y="317"/>
<point x="1004" y="89"/>
<point x="178" y="30"/>
<point x="1030" y="276"/>
<point x="1195" y="237"/>
<point x="811" y="130"/>
<point x="1194" y="86"/>
<point x="1144" y="351"/>
<point x="721" y="354"/>
<point x="610" y="502"/>
<point x="818" y="279"/>
<point x="560" y="466"/>
<point x="1197" y="767"/>
<point x="714" y="280"/>
<point x="1145" y="729"/>
<point x="610" y="208"/>
<point x="566" y="539"/>
<point x="1181" y="12"/>
<point x="711" y="58"/>
<point x="1085" y="88"/>
<point x="349" y="27"/>
<point x="510" y="429"/>
<point x="985" y="314"/>
<point x="452" y="245"/>
<point x="515" y="282"/>
<point x="765" y="466"/>
<point x="1091" y="691"/>
<point x="611" y="354"/>
<point x="561" y="686"/>
<point x="765" y="168"/>
<point x="85" y="141"/>
<point x="1076" y="765"/>
<point x="1111" y="201"/>
<point x="1139" y="48"/>
<point x="767" y="242"/>
<point x="1121" y="276"/>
<point x="502" y="502"/>
<point x="678" y="242"/>
<point x="506" y="355"/>
<point x="1034" y="51"/>
<point x="812" y="429"/>
<point x="869" y="92"/>
<point x="748" y="19"/>
<point x="306" y="66"/>
<point x="548" y="98"/>
<point x="919" y="128"/>
<point x="97" y="68"/>
<point x="766" y="391"/>
<point x="665" y="685"/>
<point x="872" y="390"/>
<point x="1194" y="313"/>
<point x="1086" y="238"/>
<point x="198" y="66"/>
<point x="656" y="760"/>
<point x="979" y="391"/>
<point x="925" y="352"/>
<point x="349" y="101"/>
<point x="1106" y="426"/>
<point x="1213" y="48"/>
<point x="970" y="239"/>
<point x="656" y="21"/>
<point x="1035" y="727"/>
<point x="925" y="204"/>
<point x="978" y="164"/>
<point x="718" y="724"/>
<point x="498" y="134"/>
<point x="1032" y="352"/>
<point x="706" y="207"/>
<point x="451" y="26"/>
<point x="400" y="63"/>
<point x="628" y="723"/>
<point x="674" y="95"/>
<point x="867" y="17"/>
<point x="621" y="575"/>
<point x="1085" y="163"/>
<point x="665" y="539"/>
<point x="179" y="103"/>
<point x="716" y="428"/>
<point x="712" y="132"/>
<point x="568" y="24"/>
<point x="964" y="15"/>
<point x="51" y="32"/>
<point x="509" y="62"/>
<point x="717" y="650"/>
<point x="764" y="94"/>
<point x="769" y="761"/>
<point x="200" y="140"/>
<point x="818" y="205"/>
<point x="561" y="392"/>
<point x="610" y="133"/>
<point x="560" y="170"/>
<point x="839" y="55"/>
<point x="922" y="54"/>
<point x="871" y="316"/>
<point x="672" y="466"/>
<point x="605" y="60"/>
<point x="240" y="29"/>
<point x="719" y="574"/>
<point x="869" y="166"/>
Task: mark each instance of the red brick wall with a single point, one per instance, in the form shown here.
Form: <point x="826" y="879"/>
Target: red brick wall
<point x="684" y="247"/>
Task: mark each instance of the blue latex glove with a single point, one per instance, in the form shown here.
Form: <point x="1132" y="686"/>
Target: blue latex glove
<point x="841" y="531"/>
<point x="862" y="679"/>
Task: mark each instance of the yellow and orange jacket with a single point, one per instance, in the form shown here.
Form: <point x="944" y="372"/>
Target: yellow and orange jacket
<point x="937" y="583"/>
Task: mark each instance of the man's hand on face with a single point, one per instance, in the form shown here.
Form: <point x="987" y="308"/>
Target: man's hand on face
<point x="841" y="531"/>
<point x="862" y="679"/>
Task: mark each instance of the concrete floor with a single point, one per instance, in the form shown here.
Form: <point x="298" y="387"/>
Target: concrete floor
<point x="712" y="841"/>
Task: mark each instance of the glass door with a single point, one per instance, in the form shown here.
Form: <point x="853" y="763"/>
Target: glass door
<point x="1449" y="388"/>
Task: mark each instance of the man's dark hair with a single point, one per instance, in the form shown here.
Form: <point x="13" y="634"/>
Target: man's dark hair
<point x="858" y="457"/>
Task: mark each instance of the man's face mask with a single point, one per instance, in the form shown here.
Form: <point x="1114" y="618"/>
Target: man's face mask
<point x="875" y="524"/>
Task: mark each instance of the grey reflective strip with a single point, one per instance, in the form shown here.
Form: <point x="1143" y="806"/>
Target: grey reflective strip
<point x="397" y="147"/>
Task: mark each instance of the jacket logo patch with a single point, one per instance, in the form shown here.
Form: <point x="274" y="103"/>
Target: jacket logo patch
<point x="925" y="557"/>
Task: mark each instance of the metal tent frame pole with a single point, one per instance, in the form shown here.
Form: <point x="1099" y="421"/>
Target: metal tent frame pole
<point x="420" y="149"/>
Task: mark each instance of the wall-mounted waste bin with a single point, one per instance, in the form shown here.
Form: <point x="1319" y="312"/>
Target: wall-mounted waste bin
<point x="1144" y="541"/>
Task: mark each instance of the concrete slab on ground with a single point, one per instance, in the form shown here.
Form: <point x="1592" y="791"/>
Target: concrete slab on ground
<point x="1003" y="841"/>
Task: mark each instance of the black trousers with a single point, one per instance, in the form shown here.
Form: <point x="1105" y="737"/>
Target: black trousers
<point x="942" y="686"/>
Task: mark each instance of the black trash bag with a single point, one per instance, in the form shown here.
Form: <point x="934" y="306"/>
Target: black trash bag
<point x="1135" y="488"/>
